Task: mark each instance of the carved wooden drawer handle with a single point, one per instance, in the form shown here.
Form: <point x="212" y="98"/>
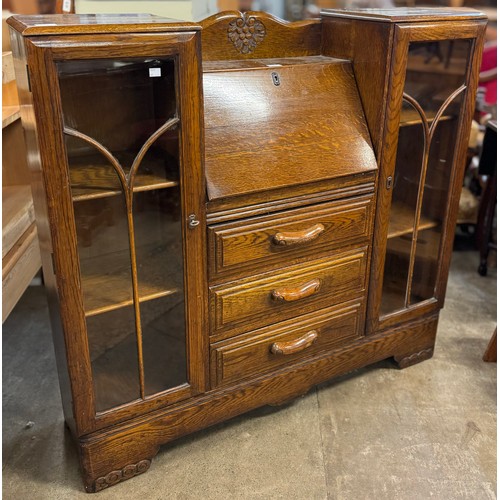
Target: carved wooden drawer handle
<point x="288" y="238"/>
<point x="301" y="292"/>
<point x="293" y="346"/>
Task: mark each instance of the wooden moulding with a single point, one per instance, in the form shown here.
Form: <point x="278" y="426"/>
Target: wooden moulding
<point x="114" y="455"/>
<point x="407" y="15"/>
<point x="267" y="37"/>
<point x="236" y="246"/>
<point x="61" y="24"/>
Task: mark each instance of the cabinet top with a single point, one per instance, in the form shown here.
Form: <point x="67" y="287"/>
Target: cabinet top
<point x="407" y="15"/>
<point x="62" y="24"/>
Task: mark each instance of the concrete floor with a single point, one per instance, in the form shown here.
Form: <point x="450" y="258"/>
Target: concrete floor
<point x="378" y="433"/>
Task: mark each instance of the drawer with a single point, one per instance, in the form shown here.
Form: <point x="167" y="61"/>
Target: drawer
<point x="284" y="344"/>
<point x="278" y="240"/>
<point x="262" y="300"/>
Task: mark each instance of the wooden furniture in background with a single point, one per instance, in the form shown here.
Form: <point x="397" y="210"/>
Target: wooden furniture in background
<point x="20" y="250"/>
<point x="488" y="203"/>
<point x="490" y="355"/>
<point x="201" y="266"/>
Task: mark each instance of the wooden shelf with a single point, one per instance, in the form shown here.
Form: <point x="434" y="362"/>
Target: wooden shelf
<point x="107" y="283"/>
<point x="19" y="267"/>
<point x="95" y="179"/>
<point x="411" y="117"/>
<point x="17" y="214"/>
<point x="10" y="114"/>
<point x="402" y="220"/>
<point x="427" y="244"/>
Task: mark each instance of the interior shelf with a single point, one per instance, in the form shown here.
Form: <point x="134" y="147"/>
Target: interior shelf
<point x="107" y="283"/>
<point x="402" y="220"/>
<point x="411" y="117"/>
<point x="427" y="245"/>
<point x="92" y="178"/>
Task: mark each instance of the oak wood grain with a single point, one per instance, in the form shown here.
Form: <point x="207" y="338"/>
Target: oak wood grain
<point x="61" y="24"/>
<point x="288" y="148"/>
<point x="236" y="246"/>
<point x="276" y="200"/>
<point x="140" y="438"/>
<point x="408" y="14"/>
<point x="248" y="303"/>
<point x="53" y="199"/>
<point x="252" y="353"/>
<point x="254" y="144"/>
<point x="267" y="35"/>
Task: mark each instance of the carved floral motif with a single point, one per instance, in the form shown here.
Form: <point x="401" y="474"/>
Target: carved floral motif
<point x="246" y="33"/>
<point x="116" y="476"/>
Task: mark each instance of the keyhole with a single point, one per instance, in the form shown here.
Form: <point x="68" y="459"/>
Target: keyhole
<point x="276" y="78"/>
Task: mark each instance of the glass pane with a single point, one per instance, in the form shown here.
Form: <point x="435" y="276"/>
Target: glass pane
<point x="113" y="355"/>
<point x="157" y="219"/>
<point x="164" y="343"/>
<point x="427" y="138"/>
<point x="435" y="203"/>
<point x="106" y="278"/>
<point x="434" y="71"/>
<point x="409" y="159"/>
<point x="118" y="102"/>
<point x="122" y="141"/>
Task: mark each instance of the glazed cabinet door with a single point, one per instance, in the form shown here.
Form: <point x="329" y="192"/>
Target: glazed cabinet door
<point x="434" y="82"/>
<point x="126" y="158"/>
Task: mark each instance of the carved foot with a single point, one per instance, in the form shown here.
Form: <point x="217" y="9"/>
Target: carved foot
<point x="117" y="476"/>
<point x="412" y="359"/>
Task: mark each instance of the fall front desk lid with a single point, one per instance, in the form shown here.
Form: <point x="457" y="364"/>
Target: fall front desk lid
<point x="270" y="124"/>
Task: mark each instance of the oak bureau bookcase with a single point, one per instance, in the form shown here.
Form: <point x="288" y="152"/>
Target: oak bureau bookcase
<point x="233" y="211"/>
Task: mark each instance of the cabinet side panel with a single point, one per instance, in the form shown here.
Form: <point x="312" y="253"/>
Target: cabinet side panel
<point x="42" y="220"/>
<point x="55" y="220"/>
<point x="368" y="45"/>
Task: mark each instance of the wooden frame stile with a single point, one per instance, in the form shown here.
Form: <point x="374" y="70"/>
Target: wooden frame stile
<point x="403" y="36"/>
<point x="185" y="48"/>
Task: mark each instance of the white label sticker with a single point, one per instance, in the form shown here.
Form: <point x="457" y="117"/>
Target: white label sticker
<point x="66" y="6"/>
<point x="154" y="72"/>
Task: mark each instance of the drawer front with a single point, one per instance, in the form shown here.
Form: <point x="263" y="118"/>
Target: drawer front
<point x="284" y="344"/>
<point x="260" y="301"/>
<point x="275" y="241"/>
